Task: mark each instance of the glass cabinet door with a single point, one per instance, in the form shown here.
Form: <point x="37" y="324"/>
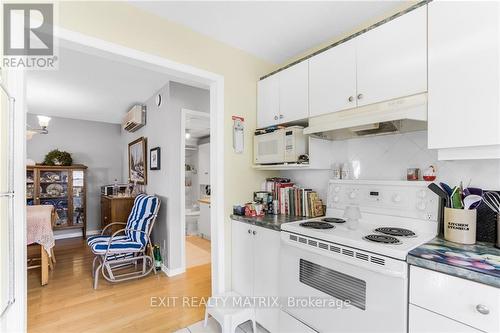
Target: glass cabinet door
<point x="78" y="197"/>
<point x="54" y="191"/>
<point x="30" y="187"/>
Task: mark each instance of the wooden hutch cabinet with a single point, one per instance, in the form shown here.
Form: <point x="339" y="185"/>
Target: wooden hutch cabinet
<point x="115" y="209"/>
<point x="63" y="187"/>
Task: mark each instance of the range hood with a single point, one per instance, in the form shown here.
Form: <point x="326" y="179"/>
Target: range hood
<point x="400" y="115"/>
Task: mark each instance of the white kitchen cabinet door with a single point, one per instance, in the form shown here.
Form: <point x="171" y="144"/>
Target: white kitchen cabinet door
<point x="204" y="164"/>
<point x="392" y="59"/>
<point x="204" y="221"/>
<point x="242" y="258"/>
<point x="268" y="103"/>
<point x="266" y="270"/>
<point x="332" y="80"/>
<point x="463" y="105"/>
<point x="424" y="321"/>
<point x="294" y="93"/>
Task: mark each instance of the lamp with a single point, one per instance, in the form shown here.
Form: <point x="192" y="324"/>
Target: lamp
<point x="352" y="214"/>
<point x="43" y="122"/>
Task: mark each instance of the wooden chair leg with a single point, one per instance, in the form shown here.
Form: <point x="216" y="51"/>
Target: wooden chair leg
<point x="44" y="266"/>
<point x="53" y="255"/>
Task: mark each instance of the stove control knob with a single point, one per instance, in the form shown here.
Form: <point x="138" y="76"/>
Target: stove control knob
<point x="396" y="198"/>
<point x="352" y="195"/>
<point x="336" y="189"/>
<point x="421" y="205"/>
<point x="336" y="199"/>
<point x="422" y="194"/>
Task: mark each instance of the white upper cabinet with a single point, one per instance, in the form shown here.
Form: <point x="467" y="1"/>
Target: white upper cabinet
<point x="464" y="89"/>
<point x="392" y="59"/>
<point x="294" y="93"/>
<point x="284" y="97"/>
<point x="268" y="103"/>
<point x="332" y="80"/>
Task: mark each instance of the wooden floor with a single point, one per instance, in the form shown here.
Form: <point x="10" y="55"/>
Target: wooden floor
<point x="197" y="251"/>
<point x="70" y="304"/>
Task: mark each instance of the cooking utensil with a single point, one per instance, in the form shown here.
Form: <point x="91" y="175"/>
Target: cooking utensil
<point x="473" y="190"/>
<point x="456" y="198"/>
<point x="472" y="201"/>
<point x="440" y="192"/>
<point x="492" y="200"/>
<point x="448" y="189"/>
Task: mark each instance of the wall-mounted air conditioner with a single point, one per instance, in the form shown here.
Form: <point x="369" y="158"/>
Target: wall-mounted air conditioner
<point x="135" y="118"/>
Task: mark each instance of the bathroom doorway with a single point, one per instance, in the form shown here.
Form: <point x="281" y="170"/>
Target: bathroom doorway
<point x="196" y="192"/>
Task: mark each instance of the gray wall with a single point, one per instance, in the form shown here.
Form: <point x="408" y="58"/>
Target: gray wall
<point x="163" y="130"/>
<point x="95" y="144"/>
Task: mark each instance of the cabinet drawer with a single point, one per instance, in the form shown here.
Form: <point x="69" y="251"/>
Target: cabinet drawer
<point x="425" y="321"/>
<point x="456" y="298"/>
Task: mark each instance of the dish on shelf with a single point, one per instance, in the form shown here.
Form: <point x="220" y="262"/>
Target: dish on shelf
<point x="54" y="190"/>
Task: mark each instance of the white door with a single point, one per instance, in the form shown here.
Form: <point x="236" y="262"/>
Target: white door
<point x="268" y="103"/>
<point x="392" y="59"/>
<point x="294" y="93"/>
<point x="464" y="70"/>
<point x="204" y="164"/>
<point x="242" y="258"/>
<point x="332" y="80"/>
<point x="266" y="274"/>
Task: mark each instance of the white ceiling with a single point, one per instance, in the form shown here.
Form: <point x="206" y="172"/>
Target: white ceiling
<point x="90" y="87"/>
<point x="198" y="127"/>
<point x="272" y="30"/>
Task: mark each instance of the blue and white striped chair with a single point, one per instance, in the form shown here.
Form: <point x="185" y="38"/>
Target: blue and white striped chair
<point x="127" y="246"/>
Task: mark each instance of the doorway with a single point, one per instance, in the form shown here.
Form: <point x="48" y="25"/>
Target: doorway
<point x="196" y="187"/>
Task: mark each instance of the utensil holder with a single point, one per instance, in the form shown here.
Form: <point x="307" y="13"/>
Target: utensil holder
<point x="460" y="225"/>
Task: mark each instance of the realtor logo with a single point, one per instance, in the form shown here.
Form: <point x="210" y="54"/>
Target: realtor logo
<point x="28" y="36"/>
<point x="28" y="29"/>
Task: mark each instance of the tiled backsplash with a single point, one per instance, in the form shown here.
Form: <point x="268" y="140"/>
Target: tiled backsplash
<point x="387" y="158"/>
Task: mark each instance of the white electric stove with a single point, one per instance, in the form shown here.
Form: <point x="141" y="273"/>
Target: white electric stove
<point x="364" y="268"/>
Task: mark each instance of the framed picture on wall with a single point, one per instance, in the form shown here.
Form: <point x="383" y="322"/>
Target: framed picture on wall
<point x="137" y="161"/>
<point x="155" y="158"/>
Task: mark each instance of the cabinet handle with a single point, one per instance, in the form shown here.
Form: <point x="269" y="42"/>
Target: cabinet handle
<point x="254" y="232"/>
<point x="275" y="117"/>
<point x="482" y="309"/>
<point x="350" y="99"/>
<point x="281" y="116"/>
<point x="249" y="231"/>
<point x="360" y="96"/>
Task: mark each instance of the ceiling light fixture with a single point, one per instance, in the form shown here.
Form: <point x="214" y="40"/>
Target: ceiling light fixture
<point x="43" y="122"/>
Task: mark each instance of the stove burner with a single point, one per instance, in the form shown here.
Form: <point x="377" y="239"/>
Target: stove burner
<point x="332" y="220"/>
<point x="382" y="239"/>
<point x="393" y="231"/>
<point x="316" y="225"/>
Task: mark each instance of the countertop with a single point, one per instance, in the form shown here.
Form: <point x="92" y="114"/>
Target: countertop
<point x="272" y="222"/>
<point x="479" y="262"/>
<point x="204" y="200"/>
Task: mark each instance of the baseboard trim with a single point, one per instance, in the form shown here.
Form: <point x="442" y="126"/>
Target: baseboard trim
<point x="172" y="272"/>
<point x="76" y="234"/>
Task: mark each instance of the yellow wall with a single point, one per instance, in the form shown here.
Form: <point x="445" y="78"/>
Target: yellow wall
<point x="129" y="26"/>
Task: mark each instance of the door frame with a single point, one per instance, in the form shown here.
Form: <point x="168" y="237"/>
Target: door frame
<point x="184" y="114"/>
<point x="184" y="74"/>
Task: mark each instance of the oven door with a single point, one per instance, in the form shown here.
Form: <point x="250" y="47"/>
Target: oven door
<point x="335" y="295"/>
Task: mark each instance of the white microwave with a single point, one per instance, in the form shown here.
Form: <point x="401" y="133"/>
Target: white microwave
<point x="283" y="145"/>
